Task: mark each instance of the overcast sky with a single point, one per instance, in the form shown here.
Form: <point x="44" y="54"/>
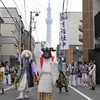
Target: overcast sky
<point x="41" y="6"/>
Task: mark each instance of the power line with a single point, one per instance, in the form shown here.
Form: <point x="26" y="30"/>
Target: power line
<point x="25" y="8"/>
<point x="46" y="9"/>
<point x="63" y="6"/>
<point x="38" y="5"/>
<point x="9" y="13"/>
<point x="70" y="7"/>
<point x="35" y="5"/>
<point x="21" y="13"/>
<point x="21" y="4"/>
<point x="31" y="4"/>
<point x="66" y="5"/>
<point x="34" y="22"/>
<point x="36" y="33"/>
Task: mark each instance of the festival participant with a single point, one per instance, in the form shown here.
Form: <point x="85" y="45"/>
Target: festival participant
<point x="2" y="71"/>
<point x="28" y="73"/>
<point x="47" y="75"/>
<point x="92" y="74"/>
<point x="17" y="75"/>
<point x="62" y="79"/>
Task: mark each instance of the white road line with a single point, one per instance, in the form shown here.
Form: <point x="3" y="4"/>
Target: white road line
<point x="85" y="96"/>
<point x="8" y="88"/>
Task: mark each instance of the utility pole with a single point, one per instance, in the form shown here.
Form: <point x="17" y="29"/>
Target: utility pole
<point x="30" y="31"/>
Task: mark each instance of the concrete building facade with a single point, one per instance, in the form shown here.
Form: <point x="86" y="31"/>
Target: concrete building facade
<point x="91" y="30"/>
<point x="10" y="32"/>
<point x="75" y="46"/>
<point x="91" y="33"/>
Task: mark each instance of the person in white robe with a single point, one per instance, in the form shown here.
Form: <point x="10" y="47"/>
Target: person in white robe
<point x="48" y="75"/>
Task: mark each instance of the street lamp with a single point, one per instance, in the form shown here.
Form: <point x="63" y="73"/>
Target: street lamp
<point x="32" y="19"/>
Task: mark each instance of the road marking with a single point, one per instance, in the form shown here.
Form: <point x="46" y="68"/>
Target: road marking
<point x="88" y="98"/>
<point x="8" y="88"/>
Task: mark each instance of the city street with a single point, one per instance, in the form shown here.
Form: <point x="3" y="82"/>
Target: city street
<point x="77" y="93"/>
<point x="49" y="41"/>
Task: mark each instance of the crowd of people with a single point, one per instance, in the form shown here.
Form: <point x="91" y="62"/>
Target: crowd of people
<point x="82" y="74"/>
<point x="9" y="74"/>
<point x="50" y="72"/>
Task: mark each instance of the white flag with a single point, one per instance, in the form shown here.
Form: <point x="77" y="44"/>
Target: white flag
<point x="63" y="37"/>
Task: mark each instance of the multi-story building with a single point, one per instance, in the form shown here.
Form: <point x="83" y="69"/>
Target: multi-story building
<point x="91" y="33"/>
<point x="75" y="46"/>
<point x="11" y="34"/>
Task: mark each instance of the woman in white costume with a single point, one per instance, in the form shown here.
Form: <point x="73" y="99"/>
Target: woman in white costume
<point x="48" y="75"/>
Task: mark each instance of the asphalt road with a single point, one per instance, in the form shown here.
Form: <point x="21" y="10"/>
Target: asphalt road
<point x="75" y="93"/>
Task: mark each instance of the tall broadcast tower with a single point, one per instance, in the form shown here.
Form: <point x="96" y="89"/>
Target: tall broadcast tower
<point x="48" y="22"/>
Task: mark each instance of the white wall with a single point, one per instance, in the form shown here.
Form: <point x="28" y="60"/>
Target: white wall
<point x="73" y="23"/>
<point x="9" y="30"/>
<point x="8" y="49"/>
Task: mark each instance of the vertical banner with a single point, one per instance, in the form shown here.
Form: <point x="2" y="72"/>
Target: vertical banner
<point x="63" y="35"/>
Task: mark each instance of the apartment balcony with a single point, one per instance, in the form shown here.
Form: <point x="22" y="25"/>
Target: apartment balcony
<point x="81" y="37"/>
<point x="9" y="40"/>
<point x="9" y="45"/>
<point x="80" y="27"/>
